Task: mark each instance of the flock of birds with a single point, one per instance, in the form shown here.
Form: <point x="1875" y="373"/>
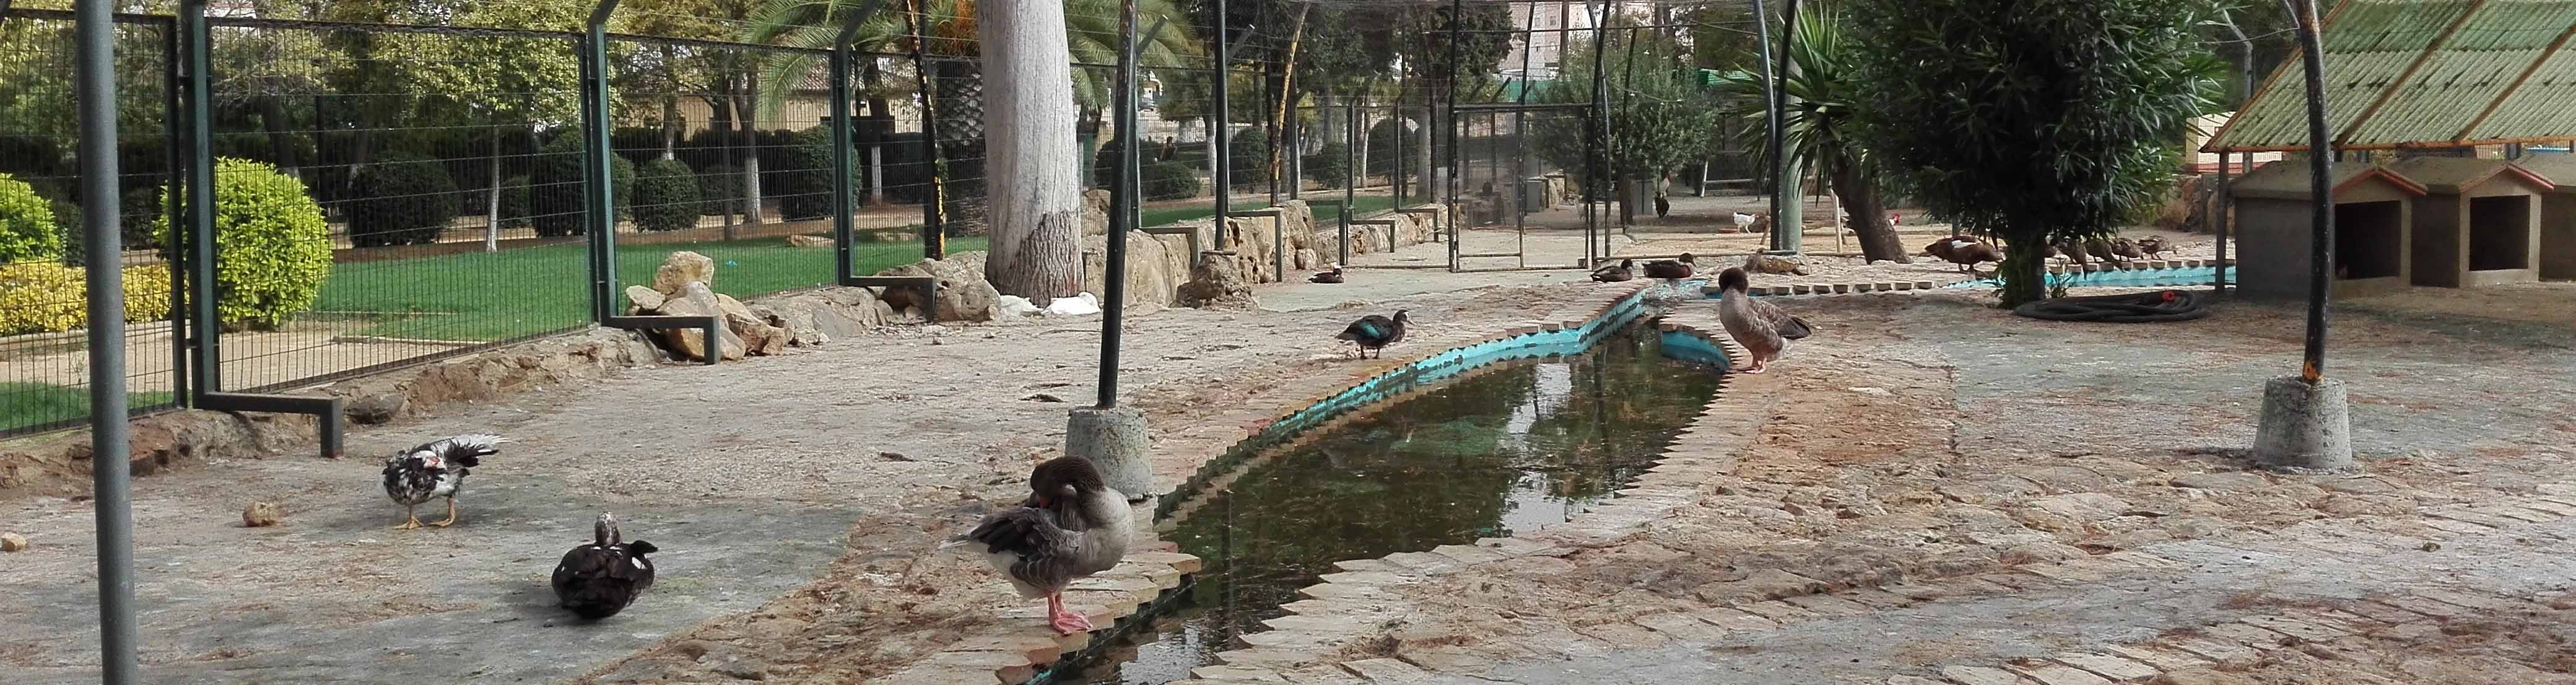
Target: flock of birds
<point x="594" y="581"/>
<point x="1968" y="251"/>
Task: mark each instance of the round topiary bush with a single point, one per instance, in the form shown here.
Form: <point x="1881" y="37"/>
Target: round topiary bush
<point x="1170" y="181"/>
<point x="273" y="250"/>
<point x="718" y="184"/>
<point x="666" y="196"/>
<point x="1381" y="148"/>
<point x="27" y="229"/>
<point x="555" y="192"/>
<point x="806" y="188"/>
<point x="517" y="205"/>
<point x="1329" y="164"/>
<point x="401" y="199"/>
<point x="1248" y="152"/>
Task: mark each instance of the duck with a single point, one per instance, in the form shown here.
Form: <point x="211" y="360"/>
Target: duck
<point x="1671" y="269"/>
<point x="1965" y="251"/>
<point x="433" y="470"/>
<point x="1616" y="273"/>
<point x="1071" y="526"/>
<point x="2070" y="249"/>
<point x="2154" y="246"/>
<point x="1331" y="276"/>
<point x="599" y="579"/>
<point x="1764" y="329"/>
<point x="1773" y="264"/>
<point x="2127" y="249"/>
<point x="2101" y="249"/>
<point x="1374" y="332"/>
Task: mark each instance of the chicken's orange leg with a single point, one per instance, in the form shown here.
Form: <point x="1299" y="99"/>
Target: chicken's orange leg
<point x="451" y="514"/>
<point x="411" y="518"/>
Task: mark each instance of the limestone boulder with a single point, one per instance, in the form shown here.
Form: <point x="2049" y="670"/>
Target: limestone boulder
<point x="681" y="268"/>
<point x="643" y="299"/>
<point x="1151" y="280"/>
<point x="758" y="335"/>
<point x="260" y="515"/>
<point x="1218" y="282"/>
<point x="1095" y="212"/>
<point x="694" y="299"/>
<point x="964" y="295"/>
<point x="808" y="241"/>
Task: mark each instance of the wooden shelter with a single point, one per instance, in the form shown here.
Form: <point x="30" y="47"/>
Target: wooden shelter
<point x="2478" y="222"/>
<point x="2557" y="214"/>
<point x="2374" y="217"/>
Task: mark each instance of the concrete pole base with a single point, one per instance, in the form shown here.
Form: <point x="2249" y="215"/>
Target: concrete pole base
<point x="1114" y="440"/>
<point x="2304" y="426"/>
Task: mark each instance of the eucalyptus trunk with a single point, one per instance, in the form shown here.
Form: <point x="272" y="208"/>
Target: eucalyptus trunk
<point x="492" y="196"/>
<point x="1036" y="208"/>
<point x="1859" y="193"/>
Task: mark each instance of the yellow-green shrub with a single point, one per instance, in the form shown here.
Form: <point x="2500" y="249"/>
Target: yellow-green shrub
<point x="43" y="297"/>
<point x="27" y="231"/>
<point x="272" y="249"/>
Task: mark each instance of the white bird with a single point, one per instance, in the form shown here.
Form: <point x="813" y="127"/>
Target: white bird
<point x="1072" y="525"/>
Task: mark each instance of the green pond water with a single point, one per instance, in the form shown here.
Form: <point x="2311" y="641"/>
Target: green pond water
<point x="1511" y="447"/>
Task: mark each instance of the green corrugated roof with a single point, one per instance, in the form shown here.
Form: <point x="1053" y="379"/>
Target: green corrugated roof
<point x="2465" y="56"/>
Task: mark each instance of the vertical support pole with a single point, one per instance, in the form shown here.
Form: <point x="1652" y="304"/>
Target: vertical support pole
<point x="1788" y="226"/>
<point x="599" y="201"/>
<point x="1350" y="174"/>
<point x="1296" y="153"/>
<point x="1772" y="114"/>
<point x="197" y="211"/>
<point x="2218" y="211"/>
<point x="1449" y="129"/>
<point x="934" y="211"/>
<point x="2321" y="224"/>
<point x="1218" y="118"/>
<point x="1395" y="120"/>
<point x="95" y="40"/>
<point x="1122" y="205"/>
<point x="844" y="229"/>
<point x="1597" y="161"/>
<point x="1520" y="135"/>
<point x="175" y="137"/>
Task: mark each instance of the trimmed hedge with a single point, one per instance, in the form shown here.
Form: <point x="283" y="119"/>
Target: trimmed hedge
<point x="666" y="196"/>
<point x="401" y="199"/>
<point x="717" y="185"/>
<point x="1329" y="164"/>
<point x="27" y="229"/>
<point x="807" y="191"/>
<point x="44" y="297"/>
<point x="275" y="249"/>
<point x="1170" y="181"/>
<point x="1248" y="152"/>
<point x="556" y="187"/>
<point x="517" y="204"/>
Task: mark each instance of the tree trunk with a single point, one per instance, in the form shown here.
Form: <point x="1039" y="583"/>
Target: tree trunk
<point x="670" y="104"/>
<point x="492" y="197"/>
<point x="1859" y="195"/>
<point x="2024" y="271"/>
<point x="1028" y="115"/>
<point x="745" y="103"/>
<point x="870" y="74"/>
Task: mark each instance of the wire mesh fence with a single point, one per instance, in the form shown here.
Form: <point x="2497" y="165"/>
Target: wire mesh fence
<point x="44" y="365"/>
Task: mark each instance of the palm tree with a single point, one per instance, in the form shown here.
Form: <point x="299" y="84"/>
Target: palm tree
<point x="1819" y="125"/>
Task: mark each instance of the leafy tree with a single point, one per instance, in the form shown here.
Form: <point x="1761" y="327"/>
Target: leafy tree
<point x="2032" y="120"/>
<point x="507" y="84"/>
<point x="402" y="199"/>
<point x="27" y="231"/>
<point x="1821" y="123"/>
<point x="1659" y="118"/>
<point x="666" y="196"/>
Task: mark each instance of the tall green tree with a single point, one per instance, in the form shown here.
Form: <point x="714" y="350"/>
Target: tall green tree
<point x="1659" y="118"/>
<point x="511" y="85"/>
<point x="2033" y="120"/>
<point x="1821" y="129"/>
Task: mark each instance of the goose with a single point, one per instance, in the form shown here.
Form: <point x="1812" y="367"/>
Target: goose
<point x="1375" y="332"/>
<point x="599" y="579"/>
<point x="2127" y="249"/>
<point x="1072" y="525"/>
<point x="1616" y="273"/>
<point x="1761" y="327"/>
<point x="1964" y="251"/>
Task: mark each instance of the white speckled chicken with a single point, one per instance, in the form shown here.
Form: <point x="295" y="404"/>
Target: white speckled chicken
<point x="435" y="470"/>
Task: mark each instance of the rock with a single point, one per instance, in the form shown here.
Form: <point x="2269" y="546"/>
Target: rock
<point x="1217" y="283"/>
<point x="374" y="408"/>
<point x="1095" y="212"/>
<point x="808" y="241"/>
<point x="260" y="515"/>
<point x="753" y="326"/>
<point x="963" y="293"/>
<point x="681" y="268"/>
<point x="1307" y="260"/>
<point x="694" y="299"/>
<point x="12" y="542"/>
<point x="2040" y="552"/>
<point x="645" y="299"/>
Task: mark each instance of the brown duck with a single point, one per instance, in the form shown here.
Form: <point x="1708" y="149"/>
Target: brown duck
<point x="1764" y="329"/>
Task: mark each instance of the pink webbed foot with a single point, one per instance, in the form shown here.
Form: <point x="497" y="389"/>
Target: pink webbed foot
<point x="1756" y="367"/>
<point x="1065" y="622"/>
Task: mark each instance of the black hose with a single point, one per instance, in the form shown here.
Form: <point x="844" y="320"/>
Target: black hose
<point x="2155" y="307"/>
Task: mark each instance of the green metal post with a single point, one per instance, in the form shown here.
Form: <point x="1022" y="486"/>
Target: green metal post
<point x="205" y="374"/>
<point x="599" y="203"/>
<point x="94" y="42"/>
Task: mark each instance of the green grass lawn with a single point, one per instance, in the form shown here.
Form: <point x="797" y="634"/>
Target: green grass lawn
<point x="486" y="296"/>
<point x="1369" y="204"/>
<point x="38" y="404"/>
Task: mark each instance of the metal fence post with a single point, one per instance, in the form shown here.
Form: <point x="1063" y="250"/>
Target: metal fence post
<point x="1218" y="123"/>
<point x="95" y="55"/>
<point x="197" y="210"/>
<point x="1351" y="174"/>
<point x="599" y="206"/>
<point x="843" y="225"/>
<point x="934" y="211"/>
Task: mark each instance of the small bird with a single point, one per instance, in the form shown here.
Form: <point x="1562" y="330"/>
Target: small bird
<point x="2155" y="246"/>
<point x="2101" y="249"/>
<point x="1374" y="332"/>
<point x="1671" y="269"/>
<point x="434" y="470"/>
<point x="1071" y="526"/>
<point x="1332" y="276"/>
<point x="599" y="579"/>
<point x="1761" y="327"/>
<point x="2070" y="249"/>
<point x="1773" y="264"/>
<point x="1742" y="221"/>
<point x="1616" y="273"/>
<point x="1663" y="207"/>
